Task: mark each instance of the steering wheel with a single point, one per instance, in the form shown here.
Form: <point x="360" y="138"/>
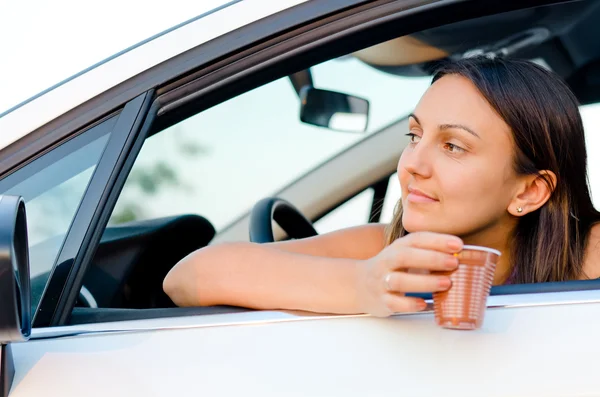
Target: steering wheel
<point x="285" y="214"/>
<point x="86" y="299"/>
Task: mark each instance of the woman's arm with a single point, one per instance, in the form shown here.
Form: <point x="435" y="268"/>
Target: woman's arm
<point x="316" y="274"/>
<point x="360" y="242"/>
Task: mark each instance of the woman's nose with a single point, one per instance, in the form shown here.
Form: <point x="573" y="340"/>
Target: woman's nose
<point x="417" y="160"/>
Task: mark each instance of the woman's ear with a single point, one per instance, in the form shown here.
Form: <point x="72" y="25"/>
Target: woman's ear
<point x="534" y="191"/>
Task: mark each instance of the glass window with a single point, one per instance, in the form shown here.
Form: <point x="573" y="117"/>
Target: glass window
<point x="590" y="115"/>
<point x="357" y="210"/>
<point x="220" y="162"/>
<point x="392" y="196"/>
<point x="353" y="212"/>
<point x="52" y="187"/>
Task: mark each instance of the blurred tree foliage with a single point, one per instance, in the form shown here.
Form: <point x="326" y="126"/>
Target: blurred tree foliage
<point x="151" y="180"/>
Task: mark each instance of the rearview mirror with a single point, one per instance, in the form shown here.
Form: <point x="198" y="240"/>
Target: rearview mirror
<point x="15" y="291"/>
<point x="333" y="110"/>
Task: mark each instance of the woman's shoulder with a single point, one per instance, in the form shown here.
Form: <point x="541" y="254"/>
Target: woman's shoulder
<point x="591" y="264"/>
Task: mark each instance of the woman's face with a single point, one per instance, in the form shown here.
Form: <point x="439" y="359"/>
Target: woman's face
<point x="457" y="172"/>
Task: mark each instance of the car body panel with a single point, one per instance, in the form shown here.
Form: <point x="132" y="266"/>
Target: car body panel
<point x="277" y="353"/>
<point x="286" y="353"/>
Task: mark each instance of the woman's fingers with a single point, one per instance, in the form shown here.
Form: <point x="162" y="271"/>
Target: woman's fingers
<point x="432" y="241"/>
<point x="403" y="267"/>
<point x="409" y="282"/>
<point x="403" y="304"/>
<point x="418" y="258"/>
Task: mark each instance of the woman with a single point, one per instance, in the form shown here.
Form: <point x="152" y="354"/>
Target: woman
<point x="496" y="158"/>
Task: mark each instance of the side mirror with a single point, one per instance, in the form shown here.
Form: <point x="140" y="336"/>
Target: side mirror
<point x="15" y="291"/>
<point x="333" y="110"/>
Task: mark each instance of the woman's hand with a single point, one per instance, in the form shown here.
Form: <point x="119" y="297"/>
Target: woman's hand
<point x="384" y="279"/>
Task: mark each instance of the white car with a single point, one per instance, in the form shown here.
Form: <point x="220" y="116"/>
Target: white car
<point x="258" y="110"/>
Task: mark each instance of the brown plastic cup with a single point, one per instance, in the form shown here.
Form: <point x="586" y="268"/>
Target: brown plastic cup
<point x="463" y="305"/>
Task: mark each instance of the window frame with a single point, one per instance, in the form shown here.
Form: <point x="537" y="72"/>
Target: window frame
<point x="64" y="283"/>
<point x="327" y="40"/>
<point x="317" y="43"/>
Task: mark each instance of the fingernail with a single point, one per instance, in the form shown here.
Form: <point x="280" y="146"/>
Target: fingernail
<point x="451" y="263"/>
<point x="444" y="283"/>
<point x="421" y="305"/>
<point x="455" y="245"/>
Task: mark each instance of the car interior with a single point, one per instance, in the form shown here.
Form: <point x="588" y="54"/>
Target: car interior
<point x="124" y="279"/>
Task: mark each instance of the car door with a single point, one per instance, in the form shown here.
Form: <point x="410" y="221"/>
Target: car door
<point x="274" y="353"/>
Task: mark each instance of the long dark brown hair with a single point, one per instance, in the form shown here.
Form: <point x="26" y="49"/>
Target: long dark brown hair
<point x="548" y="244"/>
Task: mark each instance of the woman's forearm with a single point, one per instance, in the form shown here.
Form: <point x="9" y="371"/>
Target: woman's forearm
<point x="262" y="277"/>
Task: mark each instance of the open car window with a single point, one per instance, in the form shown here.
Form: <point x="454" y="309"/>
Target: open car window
<point x="220" y="162"/>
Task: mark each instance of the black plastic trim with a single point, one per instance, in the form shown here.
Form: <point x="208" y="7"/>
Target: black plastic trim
<point x="84" y="315"/>
<point x="350" y="8"/>
<point x="87" y="226"/>
<point x="15" y="313"/>
<point x="535" y="288"/>
<point x="122" y="167"/>
<point x="538" y="288"/>
<point x="7" y="369"/>
<point x="15" y="297"/>
<point x="168" y="71"/>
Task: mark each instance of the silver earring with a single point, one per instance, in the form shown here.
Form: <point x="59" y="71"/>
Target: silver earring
<point x="519" y="210"/>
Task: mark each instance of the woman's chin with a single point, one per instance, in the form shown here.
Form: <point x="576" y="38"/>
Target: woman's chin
<point x="421" y="225"/>
<point x="415" y="229"/>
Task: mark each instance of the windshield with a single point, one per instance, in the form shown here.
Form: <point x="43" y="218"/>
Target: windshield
<point x="64" y="38"/>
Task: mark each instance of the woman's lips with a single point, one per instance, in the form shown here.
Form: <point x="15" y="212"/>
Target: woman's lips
<point x="417" y="196"/>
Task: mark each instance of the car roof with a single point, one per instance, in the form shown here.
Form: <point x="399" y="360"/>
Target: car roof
<point x="44" y="107"/>
<point x="48" y="54"/>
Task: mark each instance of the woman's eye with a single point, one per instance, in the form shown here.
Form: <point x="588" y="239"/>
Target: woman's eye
<point x="452" y="148"/>
<point x="414" y="138"/>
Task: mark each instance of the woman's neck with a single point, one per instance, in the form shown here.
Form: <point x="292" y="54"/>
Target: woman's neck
<point x="497" y="237"/>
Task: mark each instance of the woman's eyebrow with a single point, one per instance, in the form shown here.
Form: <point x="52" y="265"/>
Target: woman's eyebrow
<point x="449" y="126"/>
<point x="414" y="117"/>
<point x="459" y="126"/>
